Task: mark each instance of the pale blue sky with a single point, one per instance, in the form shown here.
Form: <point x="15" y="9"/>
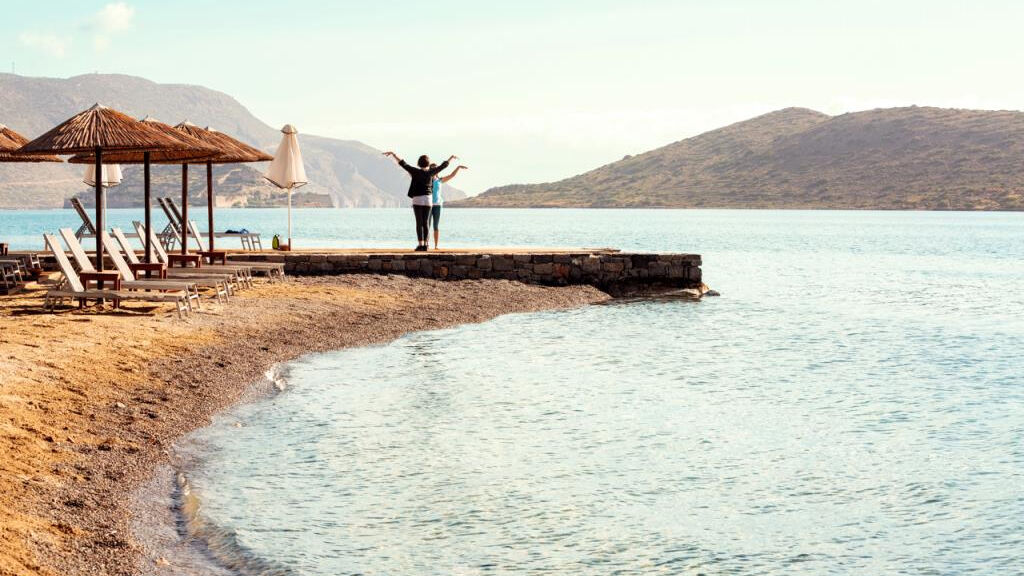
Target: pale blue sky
<point x="533" y="91"/>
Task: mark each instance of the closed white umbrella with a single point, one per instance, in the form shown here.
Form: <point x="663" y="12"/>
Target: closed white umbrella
<point x="110" y="176"/>
<point x="286" y="170"/>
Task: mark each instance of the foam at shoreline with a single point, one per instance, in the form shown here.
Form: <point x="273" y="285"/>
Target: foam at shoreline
<point x="171" y="525"/>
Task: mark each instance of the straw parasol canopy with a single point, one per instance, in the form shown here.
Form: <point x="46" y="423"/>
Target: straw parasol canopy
<point x="105" y="129"/>
<point x="192" y="149"/>
<point x="230" y="151"/>
<point x="11" y="141"/>
<point x="98" y="131"/>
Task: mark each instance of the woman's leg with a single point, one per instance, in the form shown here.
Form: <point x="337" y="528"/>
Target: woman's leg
<point x="435" y="216"/>
<point x="416" y="214"/>
<point x="421" y="213"/>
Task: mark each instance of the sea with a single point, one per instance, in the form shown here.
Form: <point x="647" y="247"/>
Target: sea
<point x="852" y="403"/>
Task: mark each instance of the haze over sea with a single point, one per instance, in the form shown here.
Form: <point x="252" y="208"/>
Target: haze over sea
<point x="852" y="404"/>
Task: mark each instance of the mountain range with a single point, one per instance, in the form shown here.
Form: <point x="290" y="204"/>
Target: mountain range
<point x="342" y="173"/>
<point x="912" y="158"/>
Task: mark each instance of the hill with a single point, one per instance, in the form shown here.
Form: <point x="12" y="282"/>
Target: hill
<point x="900" y="158"/>
<point x="350" y="173"/>
<point x="236" y="186"/>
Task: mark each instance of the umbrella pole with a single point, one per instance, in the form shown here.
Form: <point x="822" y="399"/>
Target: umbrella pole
<point x="209" y="200"/>
<point x="148" y="241"/>
<point x="99" y="209"/>
<point x="184" y="208"/>
<point x="289" y="218"/>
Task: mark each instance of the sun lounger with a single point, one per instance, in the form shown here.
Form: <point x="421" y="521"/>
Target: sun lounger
<point x="30" y="260"/>
<point x="72" y="287"/>
<point x="241" y="275"/>
<point x="23" y="262"/>
<point x="271" y="269"/>
<point x="249" y="240"/>
<point x="87" y="229"/>
<point x="128" y="281"/>
<point x="220" y="286"/>
<point x="171" y="233"/>
<point x="15" y="264"/>
<point x="10" y="276"/>
<point x="222" y="283"/>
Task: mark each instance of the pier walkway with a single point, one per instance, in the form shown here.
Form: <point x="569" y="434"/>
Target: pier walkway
<point x="619" y="273"/>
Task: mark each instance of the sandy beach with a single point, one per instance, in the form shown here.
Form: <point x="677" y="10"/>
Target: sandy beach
<point x="90" y="402"/>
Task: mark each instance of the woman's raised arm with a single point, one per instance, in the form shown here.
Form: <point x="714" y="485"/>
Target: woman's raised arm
<point x="401" y="162"/>
<point x="445" y="179"/>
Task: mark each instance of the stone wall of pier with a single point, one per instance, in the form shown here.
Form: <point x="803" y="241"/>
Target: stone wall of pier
<point x="616" y="272"/>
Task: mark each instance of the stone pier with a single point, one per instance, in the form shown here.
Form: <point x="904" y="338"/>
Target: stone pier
<point x="618" y="273"/>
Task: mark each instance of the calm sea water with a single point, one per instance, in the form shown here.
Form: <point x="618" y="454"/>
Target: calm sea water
<point x="852" y="404"/>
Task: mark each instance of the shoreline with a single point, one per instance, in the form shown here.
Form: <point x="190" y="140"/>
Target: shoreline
<point x="172" y="534"/>
<point x="85" y="426"/>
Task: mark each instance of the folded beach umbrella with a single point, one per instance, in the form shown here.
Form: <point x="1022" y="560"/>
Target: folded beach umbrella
<point x="229" y="151"/>
<point x="98" y="131"/>
<point x="286" y="171"/>
<point x="192" y="149"/>
<point x="110" y="175"/>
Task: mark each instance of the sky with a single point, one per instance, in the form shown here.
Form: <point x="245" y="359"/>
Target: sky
<point x="534" y="90"/>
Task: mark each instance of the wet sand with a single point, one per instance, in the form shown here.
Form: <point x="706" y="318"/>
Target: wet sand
<point x="90" y="401"/>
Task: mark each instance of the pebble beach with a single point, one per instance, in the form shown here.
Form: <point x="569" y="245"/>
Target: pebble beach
<point x="91" y="402"/>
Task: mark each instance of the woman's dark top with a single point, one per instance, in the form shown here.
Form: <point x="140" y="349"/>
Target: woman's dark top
<point x="422" y="178"/>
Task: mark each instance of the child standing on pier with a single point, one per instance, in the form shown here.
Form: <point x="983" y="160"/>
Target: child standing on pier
<point x="437" y="200"/>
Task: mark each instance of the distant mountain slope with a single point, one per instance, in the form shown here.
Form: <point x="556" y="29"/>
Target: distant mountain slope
<point x="899" y="158"/>
<point x="352" y="173"/>
<point x="236" y="186"/>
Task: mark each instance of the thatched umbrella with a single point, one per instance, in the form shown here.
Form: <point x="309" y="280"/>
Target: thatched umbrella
<point x="97" y="131"/>
<point x="231" y="151"/>
<point x="194" y="149"/>
<point x="11" y="141"/>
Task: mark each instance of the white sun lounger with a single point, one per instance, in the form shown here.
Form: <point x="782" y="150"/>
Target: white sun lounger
<point x="87" y="229"/>
<point x="128" y="281"/>
<point x="221" y="282"/>
<point x="269" y="268"/>
<point x="73" y="288"/>
<point x="10" y="274"/>
<point x="249" y="240"/>
<point x="219" y="285"/>
<point x="241" y="274"/>
<point x="171" y="233"/>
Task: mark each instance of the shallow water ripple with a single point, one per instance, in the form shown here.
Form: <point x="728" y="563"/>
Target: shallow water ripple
<point x="853" y="404"/>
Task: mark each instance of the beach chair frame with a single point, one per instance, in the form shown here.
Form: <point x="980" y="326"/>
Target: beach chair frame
<point x="87" y="228"/>
<point x="128" y="281"/>
<point x="220" y="282"/>
<point x="241" y="275"/>
<point x="71" y="287"/>
<point x="250" y="240"/>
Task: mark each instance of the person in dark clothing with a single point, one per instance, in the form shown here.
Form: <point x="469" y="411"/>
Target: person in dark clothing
<point x="421" y="185"/>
